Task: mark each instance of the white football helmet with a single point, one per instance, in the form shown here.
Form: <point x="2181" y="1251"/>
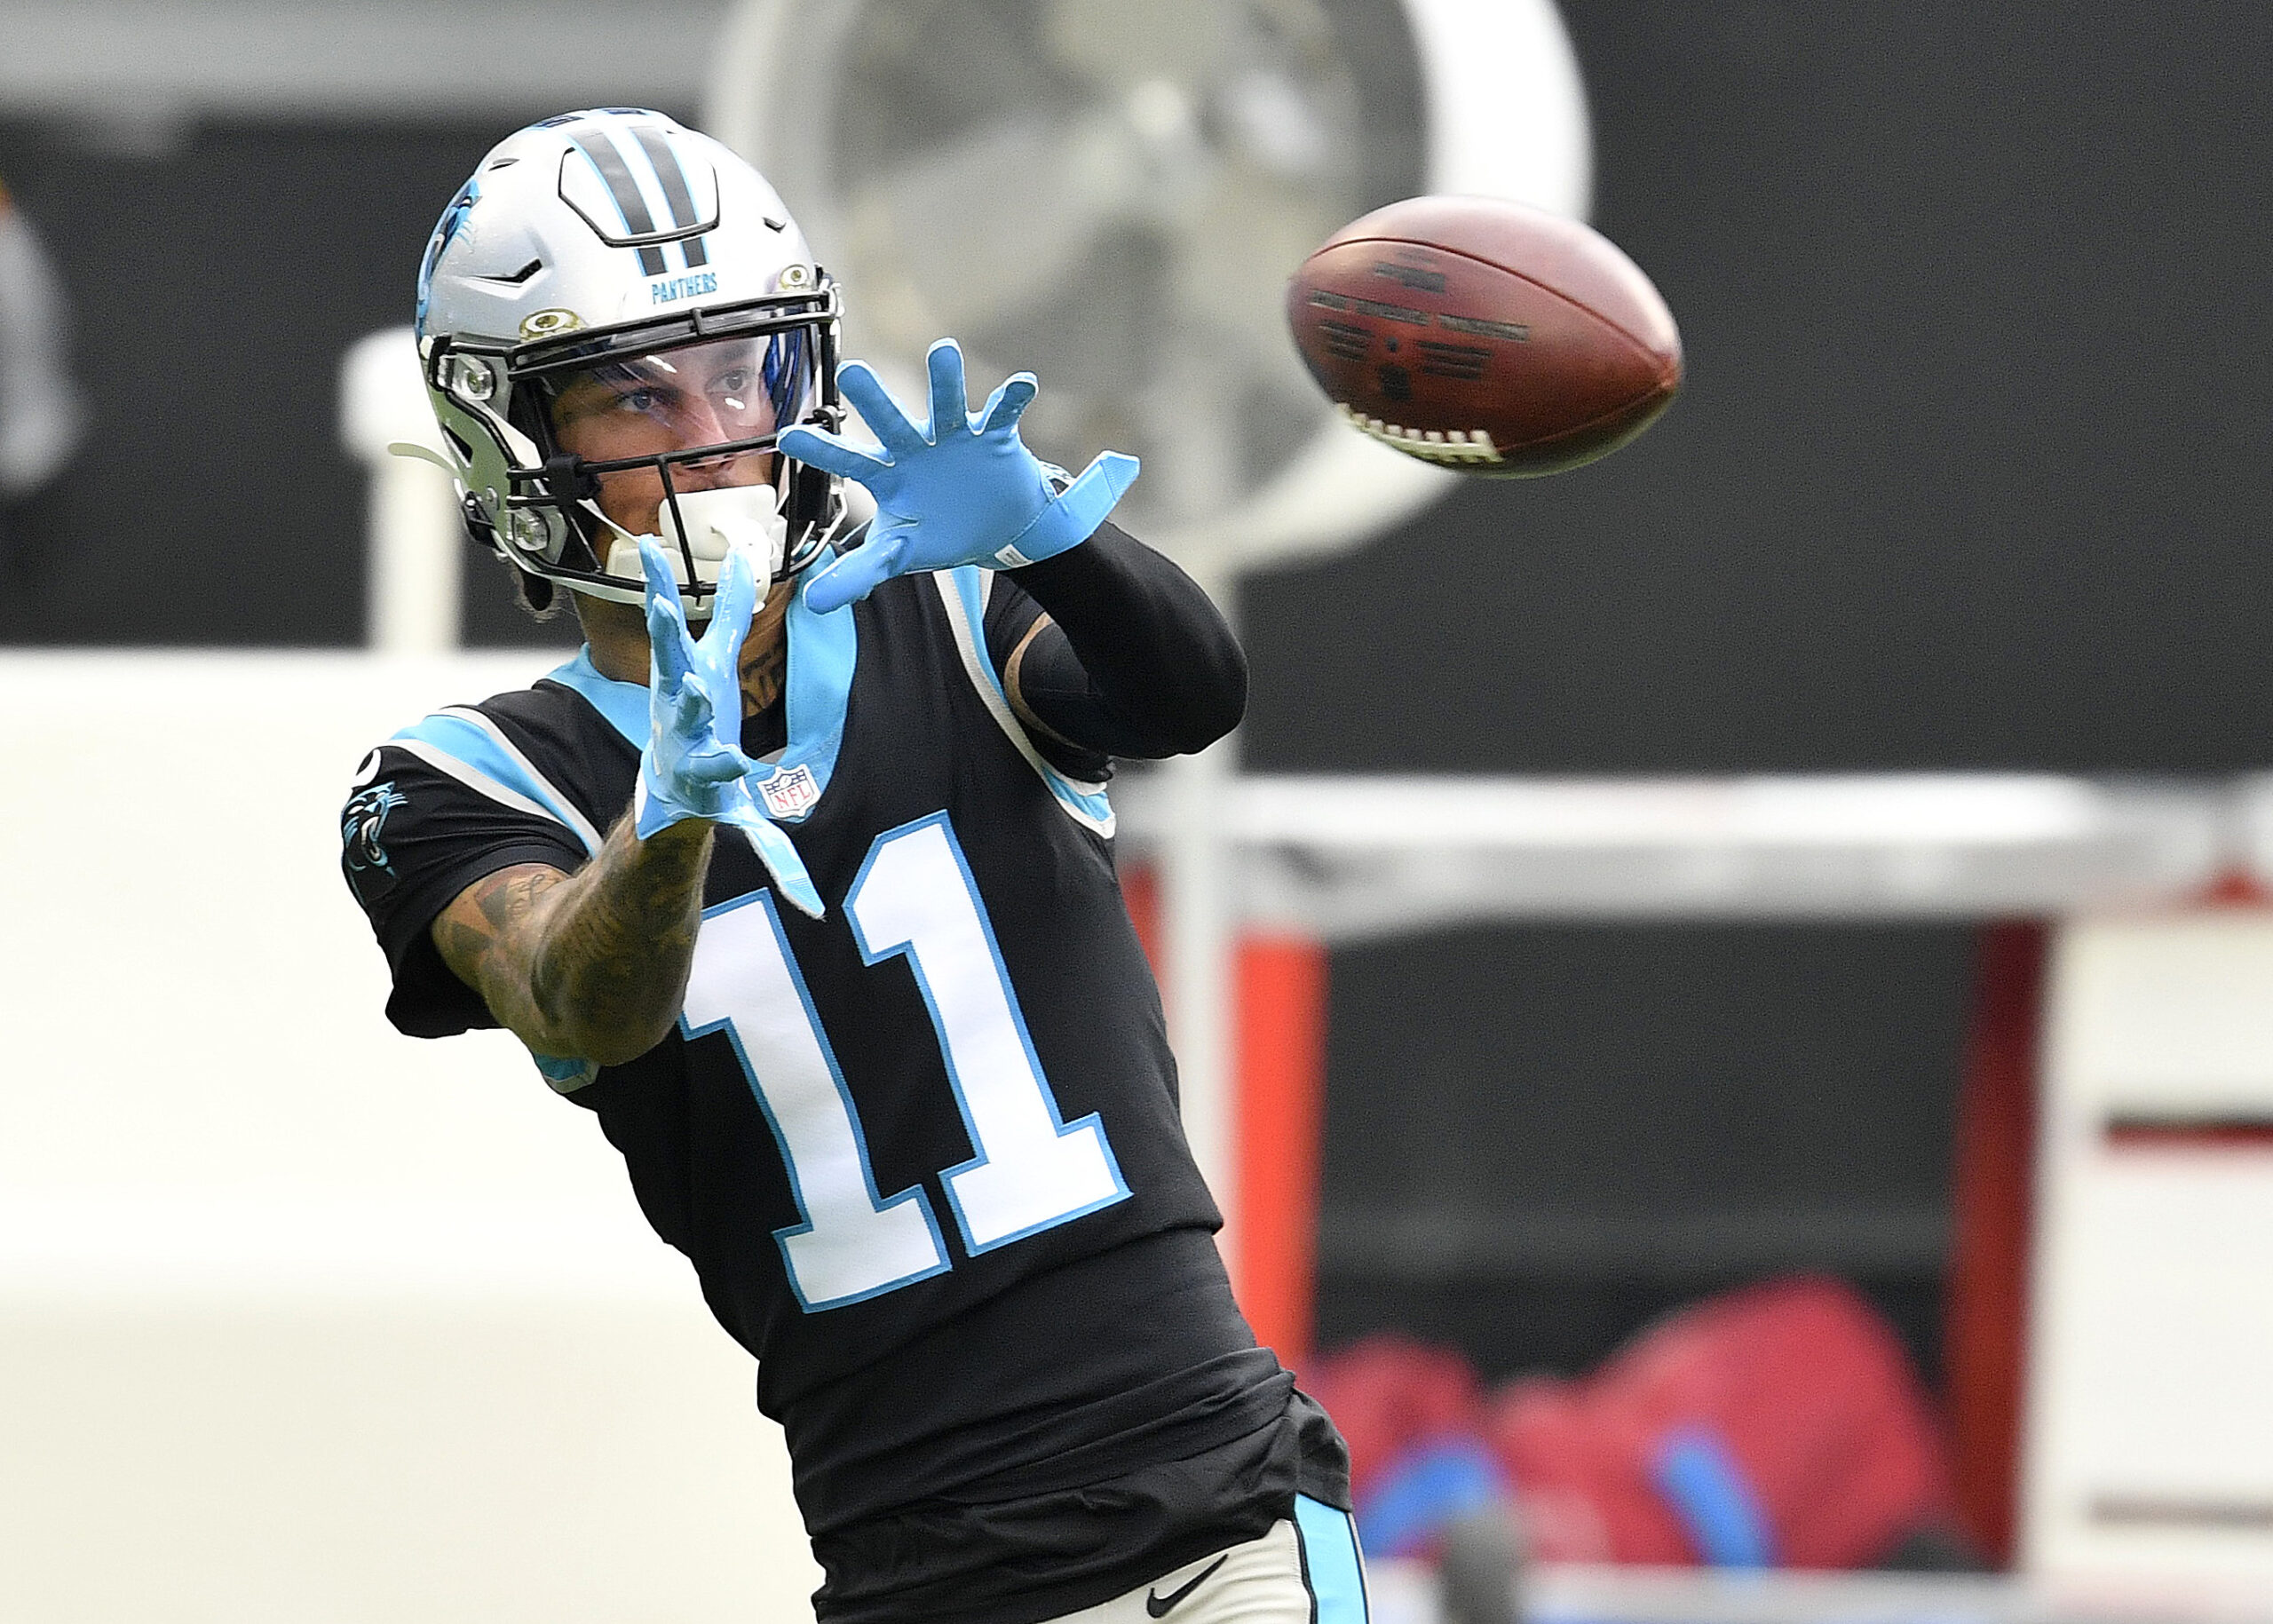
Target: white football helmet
<point x="612" y="296"/>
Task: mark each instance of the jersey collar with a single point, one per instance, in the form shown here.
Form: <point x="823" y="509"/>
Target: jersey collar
<point x="823" y="651"/>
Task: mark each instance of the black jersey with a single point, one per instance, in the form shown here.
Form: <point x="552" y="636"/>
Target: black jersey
<point x="924" y="1151"/>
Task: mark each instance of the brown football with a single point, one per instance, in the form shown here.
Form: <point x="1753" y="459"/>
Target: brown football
<point x="1486" y="336"/>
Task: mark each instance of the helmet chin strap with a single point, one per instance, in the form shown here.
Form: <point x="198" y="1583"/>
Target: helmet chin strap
<point x="716" y="521"/>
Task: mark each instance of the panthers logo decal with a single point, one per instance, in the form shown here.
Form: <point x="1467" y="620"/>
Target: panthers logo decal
<point x="359" y="825"/>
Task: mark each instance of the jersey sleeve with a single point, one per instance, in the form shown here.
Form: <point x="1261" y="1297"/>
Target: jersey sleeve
<point x="412" y="836"/>
<point x="1013" y="643"/>
<point x="1135" y="661"/>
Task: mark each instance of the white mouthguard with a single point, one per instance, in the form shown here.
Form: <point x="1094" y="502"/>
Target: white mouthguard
<point x="715" y="521"/>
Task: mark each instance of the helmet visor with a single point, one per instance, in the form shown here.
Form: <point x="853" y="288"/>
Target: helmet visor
<point x="651" y="423"/>
<point x="715" y="394"/>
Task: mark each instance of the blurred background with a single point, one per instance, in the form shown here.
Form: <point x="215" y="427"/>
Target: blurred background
<point x="1970" y="475"/>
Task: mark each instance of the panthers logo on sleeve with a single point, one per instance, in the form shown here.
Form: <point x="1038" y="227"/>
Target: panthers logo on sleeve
<point x="361" y="823"/>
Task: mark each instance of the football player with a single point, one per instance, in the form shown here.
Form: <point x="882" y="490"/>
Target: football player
<point x="799" y="877"/>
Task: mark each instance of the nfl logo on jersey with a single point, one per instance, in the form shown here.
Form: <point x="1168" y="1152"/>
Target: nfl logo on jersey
<point x="791" y="794"/>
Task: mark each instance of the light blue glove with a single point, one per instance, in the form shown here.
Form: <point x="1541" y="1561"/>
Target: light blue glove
<point x="694" y="767"/>
<point x="963" y="489"/>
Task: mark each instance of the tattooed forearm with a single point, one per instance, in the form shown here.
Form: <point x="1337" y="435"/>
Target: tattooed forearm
<point x="616" y="957"/>
<point x="591" y="965"/>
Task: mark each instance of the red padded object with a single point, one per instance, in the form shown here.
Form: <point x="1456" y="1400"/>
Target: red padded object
<point x="1389" y="1393"/>
<point x="1486" y="336"/>
<point x="1800" y="1380"/>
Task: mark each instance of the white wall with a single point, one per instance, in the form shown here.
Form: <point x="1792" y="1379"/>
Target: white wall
<point x="301" y="1320"/>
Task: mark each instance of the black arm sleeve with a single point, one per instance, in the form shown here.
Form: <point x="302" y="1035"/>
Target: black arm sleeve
<point x="1138" y="662"/>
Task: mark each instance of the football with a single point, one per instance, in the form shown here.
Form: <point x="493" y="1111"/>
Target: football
<point x="1486" y="336"/>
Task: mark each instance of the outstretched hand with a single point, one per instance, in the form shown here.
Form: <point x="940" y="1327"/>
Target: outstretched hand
<point x="961" y="490"/>
<point x="693" y="765"/>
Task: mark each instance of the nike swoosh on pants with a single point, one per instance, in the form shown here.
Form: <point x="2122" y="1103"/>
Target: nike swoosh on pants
<point x="1159" y="1606"/>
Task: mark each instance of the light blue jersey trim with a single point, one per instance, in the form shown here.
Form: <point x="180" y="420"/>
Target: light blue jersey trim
<point x="1087" y="802"/>
<point x="824" y="649"/>
<point x="1331" y="1564"/>
<point x="624" y="704"/>
<point x="488" y="757"/>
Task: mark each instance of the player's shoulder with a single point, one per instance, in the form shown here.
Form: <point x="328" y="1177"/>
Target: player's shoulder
<point x="561" y="750"/>
<point x="570" y="713"/>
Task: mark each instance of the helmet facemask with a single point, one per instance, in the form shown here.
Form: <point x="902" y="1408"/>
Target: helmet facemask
<point x="666" y="429"/>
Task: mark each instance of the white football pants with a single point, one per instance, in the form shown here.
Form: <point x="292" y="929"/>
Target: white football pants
<point x="1303" y="1571"/>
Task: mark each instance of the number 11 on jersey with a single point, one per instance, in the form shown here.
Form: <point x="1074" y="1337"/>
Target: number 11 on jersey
<point x="1029" y="1171"/>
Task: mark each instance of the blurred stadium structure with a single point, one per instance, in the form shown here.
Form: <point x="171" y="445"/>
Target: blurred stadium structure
<point x="2148" y="1434"/>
